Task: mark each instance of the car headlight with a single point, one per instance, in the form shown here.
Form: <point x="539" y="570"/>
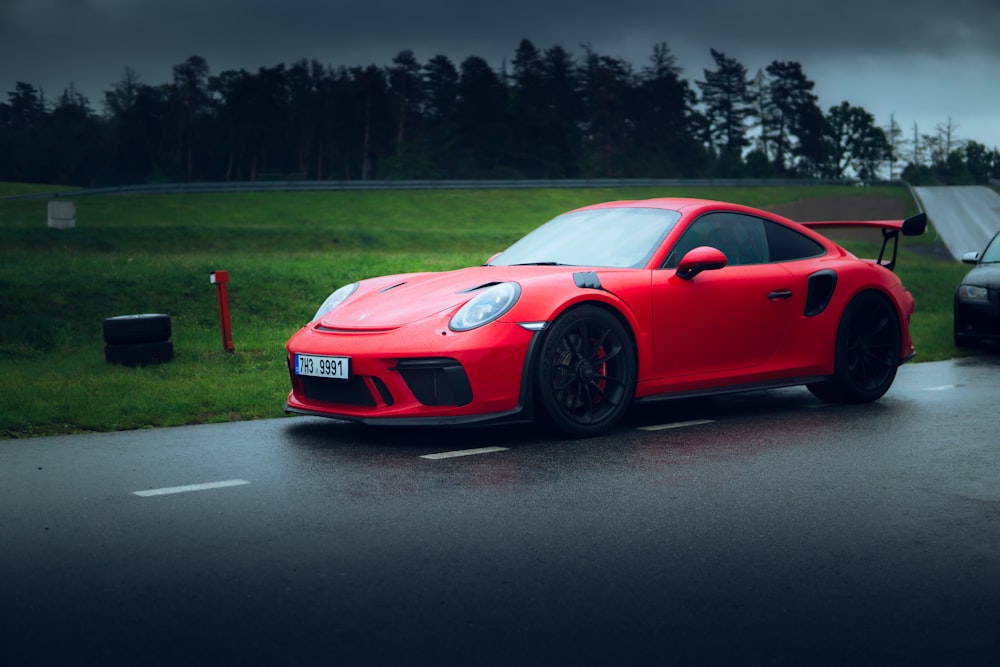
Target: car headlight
<point x="972" y="293"/>
<point x="488" y="305"/>
<point x="335" y="300"/>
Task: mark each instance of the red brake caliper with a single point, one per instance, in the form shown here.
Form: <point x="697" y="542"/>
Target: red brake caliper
<point x="602" y="371"/>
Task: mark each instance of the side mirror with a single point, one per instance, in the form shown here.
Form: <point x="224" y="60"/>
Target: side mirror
<point x="702" y="258"/>
<point x="970" y="258"/>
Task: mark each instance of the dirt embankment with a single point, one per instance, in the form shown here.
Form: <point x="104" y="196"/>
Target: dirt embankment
<point x="857" y="207"/>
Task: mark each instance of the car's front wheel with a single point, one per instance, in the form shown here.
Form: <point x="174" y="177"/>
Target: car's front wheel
<point x="586" y="372"/>
<point x="866" y="354"/>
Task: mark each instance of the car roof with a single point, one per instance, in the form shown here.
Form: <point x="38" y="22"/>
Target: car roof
<point x="681" y="204"/>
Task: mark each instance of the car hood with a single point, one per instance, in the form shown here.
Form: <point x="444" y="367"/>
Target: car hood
<point x="393" y="301"/>
<point x="984" y="275"/>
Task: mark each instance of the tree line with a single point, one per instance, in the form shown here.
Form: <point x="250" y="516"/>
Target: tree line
<point x="547" y="114"/>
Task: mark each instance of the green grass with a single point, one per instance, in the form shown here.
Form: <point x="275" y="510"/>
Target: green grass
<point x="284" y="252"/>
<point x="16" y="189"/>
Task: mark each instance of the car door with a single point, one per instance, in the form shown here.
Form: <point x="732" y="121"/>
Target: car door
<point x="723" y="320"/>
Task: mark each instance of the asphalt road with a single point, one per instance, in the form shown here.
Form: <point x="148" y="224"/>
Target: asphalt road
<point x="965" y="217"/>
<point x="763" y="528"/>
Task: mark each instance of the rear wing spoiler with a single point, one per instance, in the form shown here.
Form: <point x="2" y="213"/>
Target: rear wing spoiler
<point x="891" y="229"/>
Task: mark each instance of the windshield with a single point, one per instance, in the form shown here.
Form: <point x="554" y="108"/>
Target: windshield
<point x="611" y="237"/>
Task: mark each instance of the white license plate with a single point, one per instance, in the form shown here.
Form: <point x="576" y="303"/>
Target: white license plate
<point x="323" y="367"/>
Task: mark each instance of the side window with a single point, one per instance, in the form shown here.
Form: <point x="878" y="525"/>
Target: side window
<point x="740" y="237"/>
<point x="787" y="244"/>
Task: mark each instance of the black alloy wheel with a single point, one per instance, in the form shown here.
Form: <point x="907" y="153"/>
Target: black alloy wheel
<point x="867" y="352"/>
<point x="586" y="372"/>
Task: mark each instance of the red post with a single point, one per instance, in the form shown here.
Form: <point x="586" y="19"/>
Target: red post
<point x="219" y="279"/>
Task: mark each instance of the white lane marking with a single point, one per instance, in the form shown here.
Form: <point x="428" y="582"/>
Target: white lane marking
<point x="942" y="387"/>
<point x="190" y="487"/>
<point x="663" y="427"/>
<point x="463" y="452"/>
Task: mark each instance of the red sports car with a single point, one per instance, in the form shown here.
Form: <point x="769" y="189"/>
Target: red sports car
<point x="608" y="305"/>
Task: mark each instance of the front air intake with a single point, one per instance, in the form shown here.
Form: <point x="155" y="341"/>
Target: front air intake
<point x="436" y="381"/>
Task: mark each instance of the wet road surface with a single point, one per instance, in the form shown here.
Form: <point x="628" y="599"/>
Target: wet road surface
<point x="763" y="528"/>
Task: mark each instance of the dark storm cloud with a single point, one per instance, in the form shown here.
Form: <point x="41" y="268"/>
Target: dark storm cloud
<point x="853" y="49"/>
<point x="867" y="26"/>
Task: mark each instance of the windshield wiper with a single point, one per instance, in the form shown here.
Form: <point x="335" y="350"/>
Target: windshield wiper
<point x="540" y="264"/>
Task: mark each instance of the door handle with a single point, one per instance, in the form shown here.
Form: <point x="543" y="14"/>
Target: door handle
<point x="780" y="294"/>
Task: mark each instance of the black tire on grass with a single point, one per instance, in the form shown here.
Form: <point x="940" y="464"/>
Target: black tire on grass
<point x="139" y="354"/>
<point x="132" y="329"/>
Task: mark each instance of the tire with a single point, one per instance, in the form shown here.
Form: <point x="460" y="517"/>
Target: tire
<point x="131" y="329"/>
<point x="866" y="352"/>
<point x="139" y="354"/>
<point x="586" y="372"/>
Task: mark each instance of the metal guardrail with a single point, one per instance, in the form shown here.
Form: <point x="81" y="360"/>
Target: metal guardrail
<point x="319" y="186"/>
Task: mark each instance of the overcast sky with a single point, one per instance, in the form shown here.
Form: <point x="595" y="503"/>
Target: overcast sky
<point x="925" y="61"/>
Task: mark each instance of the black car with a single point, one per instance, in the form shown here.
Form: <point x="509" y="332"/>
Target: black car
<point x="977" y="300"/>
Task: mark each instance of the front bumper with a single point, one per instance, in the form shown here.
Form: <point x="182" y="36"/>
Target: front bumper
<point x="977" y="322"/>
<point x="420" y="373"/>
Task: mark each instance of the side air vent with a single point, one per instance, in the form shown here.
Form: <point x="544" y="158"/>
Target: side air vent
<point x="587" y="280"/>
<point x="821" y="287"/>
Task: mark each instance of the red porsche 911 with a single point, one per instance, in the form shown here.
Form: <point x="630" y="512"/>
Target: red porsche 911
<point x="606" y="306"/>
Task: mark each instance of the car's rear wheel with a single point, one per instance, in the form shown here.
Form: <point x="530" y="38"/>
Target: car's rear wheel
<point x="586" y="372"/>
<point x="866" y="354"/>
